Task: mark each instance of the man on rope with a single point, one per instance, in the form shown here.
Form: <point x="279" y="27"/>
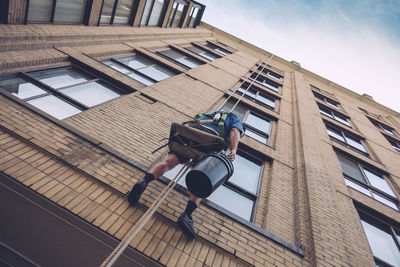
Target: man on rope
<point x="219" y="123"/>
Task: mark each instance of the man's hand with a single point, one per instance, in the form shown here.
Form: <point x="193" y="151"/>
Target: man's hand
<point x="231" y="155"/>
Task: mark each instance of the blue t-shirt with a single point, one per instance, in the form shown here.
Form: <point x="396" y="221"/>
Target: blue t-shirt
<point x="231" y="121"/>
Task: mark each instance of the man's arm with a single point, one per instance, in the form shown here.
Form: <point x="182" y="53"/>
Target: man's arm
<point x="234" y="137"/>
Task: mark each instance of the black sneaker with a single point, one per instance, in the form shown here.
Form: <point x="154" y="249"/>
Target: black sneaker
<point x="186" y="224"/>
<point x="136" y="192"/>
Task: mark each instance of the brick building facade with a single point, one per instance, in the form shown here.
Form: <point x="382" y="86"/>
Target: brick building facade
<point x="83" y="106"/>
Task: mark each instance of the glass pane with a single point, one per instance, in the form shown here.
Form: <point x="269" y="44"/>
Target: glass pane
<point x="117" y="66"/>
<point x="140" y="78"/>
<point x="270" y="86"/>
<point x="325" y="112"/>
<point x="232" y="201"/>
<point x="258" y="123"/>
<point x="146" y="12"/>
<point x="385" y="201"/>
<point x="246" y="174"/>
<point x="106" y="12"/>
<point x="157" y="73"/>
<point x="40" y="10"/>
<point x="239" y="111"/>
<point x="135" y="62"/>
<point x="379" y="182"/>
<point x="386" y="129"/>
<point x="382" y="244"/>
<point x="70" y="11"/>
<point x="123" y="12"/>
<point x="54" y="106"/>
<point x="319" y="97"/>
<point x="251" y="93"/>
<point x="331" y="103"/>
<point x="202" y="53"/>
<point x="21" y="88"/>
<point x="335" y="134"/>
<point x="58" y="78"/>
<point x="274" y="75"/>
<point x="172" y="173"/>
<point x="350" y="168"/>
<point x="90" y="94"/>
<point x="188" y="62"/>
<point x="156" y="13"/>
<point x="193" y="16"/>
<point x="171" y="15"/>
<point x="355" y="143"/>
<point x="357" y="187"/>
<point x="266" y="100"/>
<point x="341" y="120"/>
<point x="256" y="136"/>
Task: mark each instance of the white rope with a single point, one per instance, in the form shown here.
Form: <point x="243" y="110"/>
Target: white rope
<point x="135" y="229"/>
<point x="248" y="87"/>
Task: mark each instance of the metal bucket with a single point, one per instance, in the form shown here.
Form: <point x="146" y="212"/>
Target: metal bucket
<point x="208" y="174"/>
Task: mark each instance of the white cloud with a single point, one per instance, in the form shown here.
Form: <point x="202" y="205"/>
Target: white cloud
<point x="335" y="46"/>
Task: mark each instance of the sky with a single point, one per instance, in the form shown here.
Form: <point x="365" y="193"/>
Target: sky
<point x="354" y="43"/>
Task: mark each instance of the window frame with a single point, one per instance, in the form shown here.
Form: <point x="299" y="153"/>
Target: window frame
<point x="384" y="128"/>
<point x="266" y="81"/>
<point x="267" y="71"/>
<point x="173" y="12"/>
<point x="184" y="55"/>
<point x="334" y="115"/>
<point x="114" y="10"/>
<point x="56" y="92"/>
<point x="155" y="63"/>
<point x="160" y="19"/>
<point x="254" y="197"/>
<point x="85" y="15"/>
<point x="220" y="50"/>
<point x="326" y="100"/>
<point x="258" y="92"/>
<point x="197" y="18"/>
<point x="368" y="185"/>
<point x="345" y="143"/>
<point x="393" y="141"/>
<point x="201" y="54"/>
<point x="374" y="219"/>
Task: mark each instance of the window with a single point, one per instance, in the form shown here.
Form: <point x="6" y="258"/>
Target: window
<point x="218" y="49"/>
<point x="264" y="81"/>
<point x="257" y="127"/>
<point x="180" y="58"/>
<point x="194" y="16"/>
<point x="176" y="17"/>
<point x="383" y="127"/>
<point x="394" y="142"/>
<point x="367" y="181"/>
<point x="4" y="11"/>
<point x="239" y="194"/>
<point x="334" y="115"/>
<point x="270" y="73"/>
<point x="383" y="239"/>
<point x="139" y="68"/>
<point x="117" y="11"/>
<point x="327" y="101"/>
<point x="56" y="11"/>
<point x="205" y="54"/>
<point x="257" y="96"/>
<point x="346" y="139"/>
<point x="61" y="92"/>
<point x="153" y="12"/>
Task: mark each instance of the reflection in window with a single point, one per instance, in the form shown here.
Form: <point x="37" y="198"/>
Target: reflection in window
<point x="202" y="53"/>
<point x="382" y="240"/>
<point x="117" y="11"/>
<point x="367" y="181"/>
<point x="194" y="16"/>
<point x="152" y="13"/>
<point x="334" y="115"/>
<point x="60" y="92"/>
<point x="257" y="127"/>
<point x="176" y="15"/>
<point x="64" y="11"/>
<point x="180" y="58"/>
<point x="140" y="68"/>
<point x="218" y="49"/>
<point x="348" y="140"/>
<point x="264" y="81"/>
<point x="238" y="195"/>
<point x="257" y="96"/>
<point x="328" y="101"/>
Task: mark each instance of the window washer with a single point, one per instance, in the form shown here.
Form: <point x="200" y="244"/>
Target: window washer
<point x="219" y="123"/>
